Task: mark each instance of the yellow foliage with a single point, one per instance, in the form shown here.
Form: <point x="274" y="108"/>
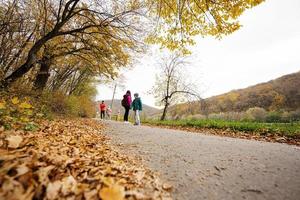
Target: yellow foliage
<point x="182" y="20"/>
<point x="17" y="113"/>
<point x="15" y="100"/>
<point x="2" y="105"/>
<point x="25" y="105"/>
<point x="24" y="119"/>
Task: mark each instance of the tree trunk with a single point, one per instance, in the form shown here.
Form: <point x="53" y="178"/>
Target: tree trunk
<point x="43" y="75"/>
<point x="163" y="117"/>
<point x="30" y="61"/>
<point x="5" y="83"/>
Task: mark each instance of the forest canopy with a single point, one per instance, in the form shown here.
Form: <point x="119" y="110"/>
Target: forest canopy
<point x="58" y="45"/>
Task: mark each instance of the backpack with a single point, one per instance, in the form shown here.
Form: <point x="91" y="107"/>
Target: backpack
<point x="123" y="102"/>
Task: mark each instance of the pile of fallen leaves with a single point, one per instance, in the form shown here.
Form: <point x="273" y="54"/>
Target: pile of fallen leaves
<point x="70" y="159"/>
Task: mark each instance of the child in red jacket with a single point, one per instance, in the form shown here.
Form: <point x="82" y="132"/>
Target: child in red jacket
<point x="102" y="109"/>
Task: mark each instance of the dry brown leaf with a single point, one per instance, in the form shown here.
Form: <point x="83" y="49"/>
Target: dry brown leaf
<point x="91" y="195"/>
<point x="108" y="181"/>
<point x="139" y="175"/>
<point x="137" y="195"/>
<point x="43" y="173"/>
<point x="14" y="141"/>
<point x="28" y="195"/>
<point x="22" y="169"/>
<point x="68" y="185"/>
<point x="53" y="190"/>
<point x="167" y="186"/>
<point x="115" y="192"/>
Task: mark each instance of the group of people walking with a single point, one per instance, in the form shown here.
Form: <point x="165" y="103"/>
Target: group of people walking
<point x="128" y="104"/>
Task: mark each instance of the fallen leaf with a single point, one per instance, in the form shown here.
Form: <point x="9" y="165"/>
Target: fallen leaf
<point x="43" y="173"/>
<point x="91" y="195"/>
<point x="22" y="169"/>
<point x="139" y="175"/>
<point x="167" y="186"/>
<point x="114" y="192"/>
<point x="53" y="190"/>
<point x="68" y="185"/>
<point x="14" y="141"/>
<point x="137" y="195"/>
<point x="108" y="181"/>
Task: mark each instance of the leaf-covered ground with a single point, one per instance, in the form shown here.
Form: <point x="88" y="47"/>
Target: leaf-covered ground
<point x="70" y="159"/>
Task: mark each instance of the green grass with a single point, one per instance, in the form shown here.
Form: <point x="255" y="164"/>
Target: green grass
<point x="286" y="129"/>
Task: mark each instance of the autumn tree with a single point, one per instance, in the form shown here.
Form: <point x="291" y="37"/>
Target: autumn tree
<point x="101" y="33"/>
<point x="172" y="86"/>
<point x="178" y="21"/>
<point x="111" y="21"/>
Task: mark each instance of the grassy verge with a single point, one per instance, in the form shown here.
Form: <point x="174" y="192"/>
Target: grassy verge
<point x="291" y="130"/>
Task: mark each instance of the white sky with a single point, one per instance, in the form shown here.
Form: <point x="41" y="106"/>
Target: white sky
<point x="266" y="47"/>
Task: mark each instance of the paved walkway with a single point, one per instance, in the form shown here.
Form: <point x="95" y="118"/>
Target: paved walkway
<point x="211" y="167"/>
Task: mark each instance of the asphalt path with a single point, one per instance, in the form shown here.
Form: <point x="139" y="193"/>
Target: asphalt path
<point x="200" y="166"/>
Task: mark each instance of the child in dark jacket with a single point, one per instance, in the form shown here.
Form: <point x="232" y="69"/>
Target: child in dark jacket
<point x="137" y="107"/>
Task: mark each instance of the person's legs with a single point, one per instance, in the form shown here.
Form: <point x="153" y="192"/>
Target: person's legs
<point x="126" y="114"/>
<point x="124" y="118"/>
<point x="102" y="114"/>
<point x="137" y="117"/>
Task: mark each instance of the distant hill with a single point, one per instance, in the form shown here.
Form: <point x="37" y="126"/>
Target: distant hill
<point x="279" y="94"/>
<point x="147" y="110"/>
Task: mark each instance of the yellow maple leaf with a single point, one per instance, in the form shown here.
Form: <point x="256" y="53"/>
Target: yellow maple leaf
<point x="15" y="100"/>
<point x="115" y="192"/>
<point x="25" y="105"/>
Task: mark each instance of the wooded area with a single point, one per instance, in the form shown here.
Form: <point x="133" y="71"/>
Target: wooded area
<point x="280" y="97"/>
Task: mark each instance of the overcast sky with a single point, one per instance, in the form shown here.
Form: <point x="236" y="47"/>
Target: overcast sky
<point x="266" y="47"/>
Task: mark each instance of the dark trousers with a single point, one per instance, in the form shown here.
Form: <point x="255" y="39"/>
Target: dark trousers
<point x="102" y="114"/>
<point x="126" y="113"/>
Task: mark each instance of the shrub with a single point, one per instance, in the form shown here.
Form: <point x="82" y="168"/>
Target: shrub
<point x="273" y="116"/>
<point x="195" y="117"/>
<point x="86" y="107"/>
<point x="294" y="115"/>
<point x="229" y="116"/>
<point x="216" y="116"/>
<point x="56" y="102"/>
<point x="72" y="106"/>
<point x="256" y="114"/>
